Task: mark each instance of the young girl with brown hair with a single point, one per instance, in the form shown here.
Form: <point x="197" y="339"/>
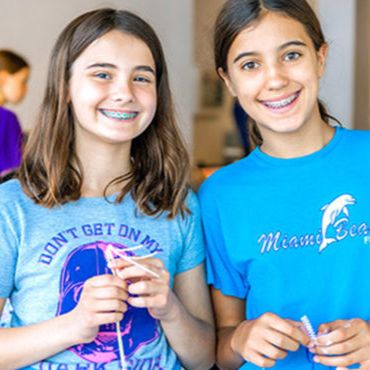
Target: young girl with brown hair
<point x="287" y="227"/>
<point x="105" y="175"/>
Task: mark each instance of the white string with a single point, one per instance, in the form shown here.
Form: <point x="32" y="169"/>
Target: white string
<point x="110" y="253"/>
<point x="132" y="261"/>
<point x="110" y="257"/>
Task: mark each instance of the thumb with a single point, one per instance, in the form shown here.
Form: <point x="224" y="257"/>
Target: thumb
<point x="330" y="326"/>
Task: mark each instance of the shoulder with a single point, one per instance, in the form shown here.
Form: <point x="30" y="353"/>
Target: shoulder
<point x="228" y="176"/>
<point x="191" y="201"/>
<point x="11" y="193"/>
<point x="350" y="134"/>
<point x="357" y="139"/>
<point x="6" y="114"/>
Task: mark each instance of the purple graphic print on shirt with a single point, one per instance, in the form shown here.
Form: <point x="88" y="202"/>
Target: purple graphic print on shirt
<point x="138" y="328"/>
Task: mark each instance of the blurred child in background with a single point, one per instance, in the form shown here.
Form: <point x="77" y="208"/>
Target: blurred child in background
<point x="14" y="72"/>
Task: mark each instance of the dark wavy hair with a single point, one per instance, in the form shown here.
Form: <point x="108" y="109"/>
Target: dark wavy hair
<point x="237" y="15"/>
<point x="51" y="173"/>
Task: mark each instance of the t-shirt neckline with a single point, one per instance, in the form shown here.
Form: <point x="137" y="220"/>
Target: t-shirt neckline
<point x="325" y="150"/>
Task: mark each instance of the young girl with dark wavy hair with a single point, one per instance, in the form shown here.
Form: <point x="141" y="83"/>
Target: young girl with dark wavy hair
<point x="287" y="227"/>
<point x="100" y="240"/>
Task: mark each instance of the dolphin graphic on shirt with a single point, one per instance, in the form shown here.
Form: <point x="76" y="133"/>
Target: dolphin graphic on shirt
<point x="331" y="212"/>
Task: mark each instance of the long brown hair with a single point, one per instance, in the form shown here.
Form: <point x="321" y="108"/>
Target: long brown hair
<point x="237" y="15"/>
<point x="51" y="173"/>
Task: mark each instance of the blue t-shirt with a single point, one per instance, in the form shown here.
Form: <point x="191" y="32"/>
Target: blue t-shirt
<point x="292" y="236"/>
<point x="48" y="254"/>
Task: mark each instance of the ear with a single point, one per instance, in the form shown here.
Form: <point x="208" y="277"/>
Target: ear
<point x="225" y="77"/>
<point x="322" y="55"/>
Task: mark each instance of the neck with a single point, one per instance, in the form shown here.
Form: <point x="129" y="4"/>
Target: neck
<point x="310" y="139"/>
<point x="102" y="164"/>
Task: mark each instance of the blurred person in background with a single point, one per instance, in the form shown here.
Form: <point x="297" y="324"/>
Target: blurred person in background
<point x="14" y="72"/>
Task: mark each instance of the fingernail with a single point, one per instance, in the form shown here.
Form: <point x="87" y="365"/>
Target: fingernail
<point x="316" y="359"/>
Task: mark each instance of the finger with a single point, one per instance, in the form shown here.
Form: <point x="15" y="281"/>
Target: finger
<point x="138" y="302"/>
<point x="132" y="272"/>
<point x="273" y="352"/>
<point x="257" y="358"/>
<point x="152" y="262"/>
<point x="350" y="345"/>
<point x="340" y="334"/>
<point x="297" y="324"/>
<point x="282" y="341"/>
<point x="109" y="305"/>
<point x="341" y="361"/>
<point x="330" y="326"/>
<point x="287" y="328"/>
<point x="106" y="292"/>
<point x="148" y="287"/>
<point x="108" y="318"/>
<point x="105" y="280"/>
<point x="156" y="302"/>
<point x="261" y="360"/>
<point x="120" y="263"/>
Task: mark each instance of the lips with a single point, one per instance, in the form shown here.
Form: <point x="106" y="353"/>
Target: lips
<point x="285" y="102"/>
<point x="119" y="115"/>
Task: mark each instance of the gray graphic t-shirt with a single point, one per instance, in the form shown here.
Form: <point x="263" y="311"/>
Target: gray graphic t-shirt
<point x="48" y="254"/>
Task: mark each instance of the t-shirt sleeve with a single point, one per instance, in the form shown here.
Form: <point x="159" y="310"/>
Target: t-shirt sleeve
<point x="221" y="272"/>
<point x="8" y="253"/>
<point x="13" y="144"/>
<point x="193" y="247"/>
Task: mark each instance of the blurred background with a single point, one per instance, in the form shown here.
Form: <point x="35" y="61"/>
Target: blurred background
<point x="204" y="109"/>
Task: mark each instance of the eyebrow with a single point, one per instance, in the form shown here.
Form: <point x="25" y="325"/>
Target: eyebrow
<point x="281" y="47"/>
<point x="144" y="68"/>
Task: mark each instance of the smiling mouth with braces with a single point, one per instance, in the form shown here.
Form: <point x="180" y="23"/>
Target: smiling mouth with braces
<point x="118" y="115"/>
<point x="282" y="103"/>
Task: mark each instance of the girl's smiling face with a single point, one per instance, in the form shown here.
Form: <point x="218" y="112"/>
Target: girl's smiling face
<point x="113" y="89"/>
<point x="274" y="71"/>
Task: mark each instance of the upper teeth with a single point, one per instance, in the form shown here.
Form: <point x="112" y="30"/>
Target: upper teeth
<point x="118" y="115"/>
<point x="281" y="103"/>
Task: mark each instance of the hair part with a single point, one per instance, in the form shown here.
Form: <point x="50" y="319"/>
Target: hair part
<point x="51" y="173"/>
<point x="237" y="15"/>
<point x="11" y="62"/>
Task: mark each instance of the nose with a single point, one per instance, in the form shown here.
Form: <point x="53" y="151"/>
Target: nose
<point x="123" y="91"/>
<point x="276" y="77"/>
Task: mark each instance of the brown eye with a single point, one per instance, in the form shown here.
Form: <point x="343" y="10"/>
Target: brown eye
<point x="142" y="79"/>
<point x="294" y="55"/>
<point x="250" y="65"/>
<point x="103" y="76"/>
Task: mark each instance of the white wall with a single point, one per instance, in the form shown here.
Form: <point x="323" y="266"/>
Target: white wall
<point x="31" y="28"/>
<point x="338" y="21"/>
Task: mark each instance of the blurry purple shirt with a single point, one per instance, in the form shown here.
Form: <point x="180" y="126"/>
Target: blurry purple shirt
<point x="10" y="140"/>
